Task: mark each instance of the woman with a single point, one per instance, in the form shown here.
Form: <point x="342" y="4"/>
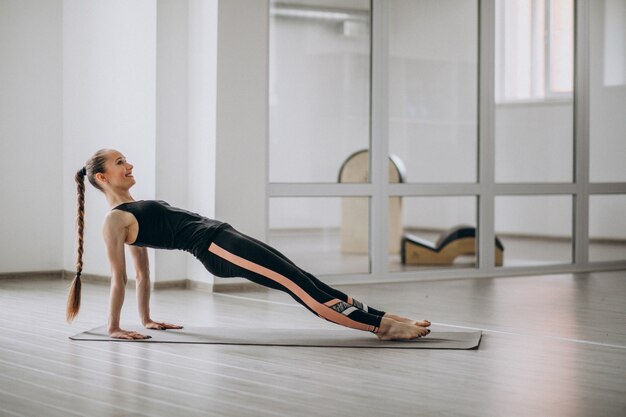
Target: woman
<point x="224" y="251"/>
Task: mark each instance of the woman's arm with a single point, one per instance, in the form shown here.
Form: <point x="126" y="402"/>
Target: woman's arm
<point x="140" y="258"/>
<point x="142" y="267"/>
<point x="114" y="231"/>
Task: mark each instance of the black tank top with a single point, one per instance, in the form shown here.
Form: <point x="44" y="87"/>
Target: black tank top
<point x="162" y="226"/>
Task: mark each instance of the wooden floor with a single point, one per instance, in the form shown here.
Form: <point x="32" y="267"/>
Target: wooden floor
<point x="552" y="346"/>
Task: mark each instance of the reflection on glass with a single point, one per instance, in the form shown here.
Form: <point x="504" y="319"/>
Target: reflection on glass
<point x="607" y="79"/>
<point x="607" y="228"/>
<point x="433" y="88"/>
<point x="355" y="169"/>
<point x="319" y="77"/>
<point x="561" y="46"/>
<point x="534" y="67"/>
<point x="432" y="232"/>
<point x="534" y="230"/>
<point x="322" y="235"/>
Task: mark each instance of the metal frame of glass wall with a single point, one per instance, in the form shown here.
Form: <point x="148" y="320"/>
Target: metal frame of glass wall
<point x="379" y="190"/>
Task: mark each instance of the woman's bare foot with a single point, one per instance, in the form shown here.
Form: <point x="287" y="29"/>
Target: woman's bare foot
<point x="421" y="323"/>
<point x="394" y="330"/>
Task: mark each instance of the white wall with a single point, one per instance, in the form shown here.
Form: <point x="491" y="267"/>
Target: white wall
<point x="30" y="135"/>
<point x="77" y="76"/>
<point x="109" y="91"/>
<point x="153" y="99"/>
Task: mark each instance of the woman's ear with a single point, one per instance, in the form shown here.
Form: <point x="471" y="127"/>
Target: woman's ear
<point x="100" y="177"/>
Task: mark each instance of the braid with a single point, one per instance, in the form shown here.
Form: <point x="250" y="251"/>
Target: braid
<point x="73" y="299"/>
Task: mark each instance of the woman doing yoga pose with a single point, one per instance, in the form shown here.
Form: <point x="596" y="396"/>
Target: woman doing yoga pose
<point x="224" y="251"/>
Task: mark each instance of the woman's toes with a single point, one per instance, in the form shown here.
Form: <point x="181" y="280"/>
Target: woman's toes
<point x="421" y="323"/>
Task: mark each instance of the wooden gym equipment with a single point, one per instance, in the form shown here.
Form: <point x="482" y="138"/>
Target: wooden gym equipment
<point x="355" y="211"/>
<point x="460" y="240"/>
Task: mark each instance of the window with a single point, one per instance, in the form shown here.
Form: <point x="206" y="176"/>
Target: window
<point x="534" y="50"/>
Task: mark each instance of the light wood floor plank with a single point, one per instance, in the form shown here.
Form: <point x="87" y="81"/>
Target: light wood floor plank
<point x="151" y="363"/>
<point x="552" y="346"/>
<point x="28" y="404"/>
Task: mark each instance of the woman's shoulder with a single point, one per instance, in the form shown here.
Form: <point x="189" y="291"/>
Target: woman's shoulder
<point x="116" y="226"/>
<point x="117" y="218"/>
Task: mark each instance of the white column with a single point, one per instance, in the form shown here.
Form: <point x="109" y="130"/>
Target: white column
<point x="171" y="123"/>
<point x="242" y="106"/>
<point x="201" y="88"/>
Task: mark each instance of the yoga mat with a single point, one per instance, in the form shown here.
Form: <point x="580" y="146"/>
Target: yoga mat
<point x="288" y="337"/>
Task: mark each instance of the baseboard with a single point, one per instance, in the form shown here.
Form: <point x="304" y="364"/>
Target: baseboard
<point x="130" y="283"/>
<point x="93" y="278"/>
<point x="32" y="274"/>
<point x="236" y="286"/>
<point x="164" y="285"/>
<point x="198" y="285"/>
<point x="158" y="285"/>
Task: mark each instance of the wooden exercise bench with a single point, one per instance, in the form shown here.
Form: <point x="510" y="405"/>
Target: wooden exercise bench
<point x="460" y="240"/>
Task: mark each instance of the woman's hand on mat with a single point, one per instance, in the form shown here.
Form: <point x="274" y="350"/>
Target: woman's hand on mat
<point x="127" y="334"/>
<point x="159" y="325"/>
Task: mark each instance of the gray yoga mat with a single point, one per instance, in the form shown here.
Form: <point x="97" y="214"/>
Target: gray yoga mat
<point x="288" y="337"/>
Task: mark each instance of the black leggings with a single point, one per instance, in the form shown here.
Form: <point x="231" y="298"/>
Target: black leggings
<point x="234" y="254"/>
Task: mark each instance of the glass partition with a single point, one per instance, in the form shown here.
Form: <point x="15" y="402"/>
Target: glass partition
<point x="319" y="88"/>
<point x="432" y="232"/>
<point x="322" y="235"/>
<point x="534" y="230"/>
<point x="426" y="58"/>
<point x="433" y="88"/>
<point x="534" y="113"/>
<point x="607" y="81"/>
<point x="607" y="228"/>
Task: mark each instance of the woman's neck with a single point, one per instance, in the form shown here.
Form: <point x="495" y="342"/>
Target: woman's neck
<point x="115" y="200"/>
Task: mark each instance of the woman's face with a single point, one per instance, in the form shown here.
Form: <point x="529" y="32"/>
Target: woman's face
<point x="118" y="172"/>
